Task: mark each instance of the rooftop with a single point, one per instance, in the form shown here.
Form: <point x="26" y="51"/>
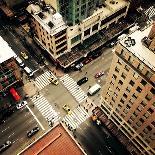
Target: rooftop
<point x="47" y="17"/>
<point x="55" y="142"/>
<point x="5" y="51"/>
<point x="139" y="50"/>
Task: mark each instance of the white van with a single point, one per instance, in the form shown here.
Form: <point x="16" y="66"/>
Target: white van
<point x="28" y="71"/>
<point x="94" y="89"/>
<point x="19" y="61"/>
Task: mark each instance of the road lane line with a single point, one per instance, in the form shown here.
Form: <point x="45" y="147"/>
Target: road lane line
<point x="11" y="135"/>
<point x="5" y="129"/>
<point x="35" y="117"/>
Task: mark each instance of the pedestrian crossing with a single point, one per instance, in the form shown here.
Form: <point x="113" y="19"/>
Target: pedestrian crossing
<point x="150" y="12"/>
<point x="78" y="116"/>
<point x="73" y="88"/>
<point x="43" y="80"/>
<point x="45" y="108"/>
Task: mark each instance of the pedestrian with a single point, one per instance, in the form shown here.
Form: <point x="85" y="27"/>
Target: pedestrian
<point x="86" y="73"/>
<point x="86" y="101"/>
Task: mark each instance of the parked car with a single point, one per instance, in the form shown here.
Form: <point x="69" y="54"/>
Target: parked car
<point x="67" y="109"/>
<point x="21" y="105"/>
<point x="82" y="81"/>
<point x="24" y="55"/>
<point x="33" y="132"/>
<point x="86" y="61"/>
<point x="53" y="80"/>
<point x="79" y="66"/>
<point x="19" y="61"/>
<point x="29" y="71"/>
<point x="5" y="146"/>
<point x="99" y="74"/>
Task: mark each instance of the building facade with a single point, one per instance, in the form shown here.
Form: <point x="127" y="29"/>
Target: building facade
<point x="67" y="36"/>
<point x="9" y="70"/>
<point x="129" y="93"/>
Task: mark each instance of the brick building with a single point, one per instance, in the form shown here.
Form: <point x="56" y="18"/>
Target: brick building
<point x="9" y="70"/>
<point x="129" y="93"/>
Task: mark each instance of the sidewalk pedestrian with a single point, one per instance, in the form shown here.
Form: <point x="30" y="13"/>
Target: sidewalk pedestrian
<point x="86" y="73"/>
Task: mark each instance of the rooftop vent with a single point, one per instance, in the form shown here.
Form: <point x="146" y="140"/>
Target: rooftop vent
<point x="41" y="15"/>
<point x="50" y="24"/>
<point x="112" y="2"/>
<point x="129" y="42"/>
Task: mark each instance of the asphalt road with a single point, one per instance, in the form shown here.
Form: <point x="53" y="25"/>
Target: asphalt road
<point x="15" y="129"/>
<point x="97" y="140"/>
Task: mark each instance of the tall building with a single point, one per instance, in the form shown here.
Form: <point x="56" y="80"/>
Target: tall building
<point x="129" y="94"/>
<point x="59" y="38"/>
<point x="9" y="71"/>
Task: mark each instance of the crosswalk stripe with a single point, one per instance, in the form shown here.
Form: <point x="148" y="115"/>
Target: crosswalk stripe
<point x="73" y="88"/>
<point x="45" y="108"/>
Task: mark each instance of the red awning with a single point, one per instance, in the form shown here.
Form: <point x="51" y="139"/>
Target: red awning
<point x="15" y="94"/>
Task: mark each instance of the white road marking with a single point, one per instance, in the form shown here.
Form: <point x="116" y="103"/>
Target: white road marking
<point x="11" y="135"/>
<point x="5" y="129"/>
<point x="35" y="117"/>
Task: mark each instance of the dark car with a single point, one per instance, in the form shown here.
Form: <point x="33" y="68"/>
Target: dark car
<point x="82" y="81"/>
<point x="32" y="132"/>
<point x="5" y="146"/>
<point x="86" y="61"/>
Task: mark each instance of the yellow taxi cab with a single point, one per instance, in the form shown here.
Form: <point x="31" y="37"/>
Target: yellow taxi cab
<point x="67" y="109"/>
<point x="53" y="80"/>
<point x="24" y="55"/>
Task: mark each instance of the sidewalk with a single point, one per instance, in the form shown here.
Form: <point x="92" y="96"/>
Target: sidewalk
<point x="30" y="89"/>
<point x="56" y="72"/>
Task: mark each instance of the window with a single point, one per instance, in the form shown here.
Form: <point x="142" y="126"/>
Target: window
<point x="143" y="82"/>
<point x="138" y="123"/>
<point x="135" y="114"/>
<point x="131" y="83"/>
<point x="152" y="90"/>
<point x="119" y="62"/>
<point x="122" y="115"/>
<point x="111" y="83"/>
<point x="148" y="74"/>
<point x="143" y="103"/>
<point x="148" y="97"/>
<point x="127" y="106"/>
<point x="117" y="88"/>
<point x="125" y="111"/>
<point x="146" y="115"/>
<point x="117" y="110"/>
<point x="114" y="76"/>
<point x="127" y="68"/>
<point x="122" y="101"/>
<point x="134" y="96"/>
<point x="130" y="59"/>
<point x="115" y="94"/>
<point x="125" y="95"/>
<point x="95" y="27"/>
<point x="120" y="82"/>
<point x="149" y="128"/>
<point x="75" y="39"/>
<point x="145" y="131"/>
<point x="87" y="32"/>
<point x="128" y="89"/>
<point x="135" y="75"/>
<point x="153" y="123"/>
<point x="150" y="110"/>
<point x="140" y="66"/>
<point x="141" y="120"/>
<point x="117" y="69"/>
<point x="140" y="108"/>
<point x="139" y="89"/>
<point x="123" y="75"/>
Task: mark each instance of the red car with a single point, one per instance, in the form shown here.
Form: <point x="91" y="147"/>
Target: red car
<point x="99" y="74"/>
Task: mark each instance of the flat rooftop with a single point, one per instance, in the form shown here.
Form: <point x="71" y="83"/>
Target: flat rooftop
<point x="5" y="51"/>
<point x="49" y="19"/>
<point x="139" y="50"/>
<point x="56" y="142"/>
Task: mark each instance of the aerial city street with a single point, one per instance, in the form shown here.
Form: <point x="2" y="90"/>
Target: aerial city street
<point x="77" y="77"/>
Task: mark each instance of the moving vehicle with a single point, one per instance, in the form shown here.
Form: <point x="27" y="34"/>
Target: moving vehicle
<point x="24" y="55"/>
<point x="21" y="105"/>
<point x="82" y="81"/>
<point x="99" y="74"/>
<point x="67" y="109"/>
<point x="53" y="80"/>
<point x="94" y="89"/>
<point x="5" y="146"/>
<point x="28" y="71"/>
<point x="33" y="132"/>
<point x="19" y="61"/>
<point x="79" y="66"/>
